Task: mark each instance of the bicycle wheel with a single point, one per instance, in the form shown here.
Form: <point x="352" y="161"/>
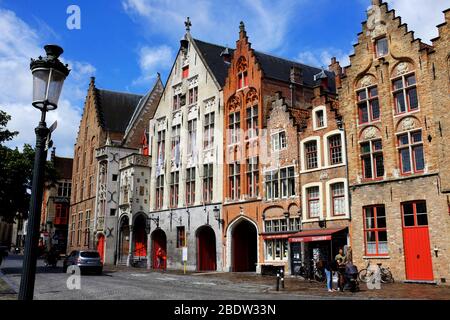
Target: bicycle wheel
<point x="386" y="276"/>
<point x="319" y="276"/>
<point x="363" y="275"/>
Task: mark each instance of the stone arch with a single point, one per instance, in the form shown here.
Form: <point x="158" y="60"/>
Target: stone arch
<point x="404" y="66"/>
<point x="408" y="123"/>
<point x="229" y="232"/>
<point x="251" y="97"/>
<point x="366" y="80"/>
<point x="369" y="133"/>
<point x="234" y="103"/>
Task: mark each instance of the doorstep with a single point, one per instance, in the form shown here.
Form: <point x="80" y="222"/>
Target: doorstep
<point x="421" y="282"/>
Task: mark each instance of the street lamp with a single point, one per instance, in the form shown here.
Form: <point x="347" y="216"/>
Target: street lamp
<point x="49" y="74"/>
<point x="216" y="211"/>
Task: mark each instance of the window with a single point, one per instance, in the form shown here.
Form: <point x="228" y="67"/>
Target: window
<point x="335" y="147"/>
<point x="311" y="155"/>
<point x="112" y="212"/>
<point x="381" y="47"/>
<point x="72" y="234"/>
<point x="320" y="121"/>
<point x="83" y="184"/>
<point x="368" y="105"/>
<point x="313" y="202"/>
<point x="252" y="121"/>
<point x="179" y="101"/>
<point x="414" y="214"/>
<point x="61" y="213"/>
<point x="287" y="176"/>
<point x="208" y="182"/>
<point x="279" y="141"/>
<point x="190" y="186"/>
<point x="192" y="136"/>
<point x="64" y="189"/>
<point x="174" y="183"/>
<point x="338" y="198"/>
<point x="114" y="177"/>
<point x="87" y="228"/>
<point x="375" y="230"/>
<point x="185" y="72"/>
<point x="234" y="126"/>
<point x="294" y="224"/>
<point x="159" y="191"/>
<point x="271" y="183"/>
<point x="372" y="159"/>
<point x="410" y="147"/>
<point x="175" y="143"/>
<point x="193" y="95"/>
<point x="252" y="177"/>
<point x="208" y="141"/>
<point x="405" y="93"/>
<point x="234" y="178"/>
<point x="91" y="186"/>
<point x="276" y="249"/>
<point x="242" y="80"/>
<point x="80" y="226"/>
<point x="161" y="146"/>
<point x="141" y="190"/>
<point x="181" y="237"/>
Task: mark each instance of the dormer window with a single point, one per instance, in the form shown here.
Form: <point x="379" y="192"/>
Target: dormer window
<point x="319" y="119"/>
<point x="242" y="80"/>
<point x="381" y="47"/>
<point x="185" y="72"/>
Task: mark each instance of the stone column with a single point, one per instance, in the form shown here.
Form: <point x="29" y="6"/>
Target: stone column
<point x="131" y="246"/>
<point x="149" y="251"/>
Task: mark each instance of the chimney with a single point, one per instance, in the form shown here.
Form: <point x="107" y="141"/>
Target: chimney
<point x="337" y="69"/>
<point x="225" y="54"/>
<point x="296" y="75"/>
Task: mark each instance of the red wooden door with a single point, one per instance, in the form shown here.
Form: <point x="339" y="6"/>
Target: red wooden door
<point x="101" y="246"/>
<point x="416" y="242"/>
<point x="206" y="244"/>
<point x="140" y="245"/>
<point x="159" y="241"/>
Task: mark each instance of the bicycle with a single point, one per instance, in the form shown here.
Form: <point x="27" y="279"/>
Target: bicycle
<point x="365" y="275"/>
<point x="311" y="272"/>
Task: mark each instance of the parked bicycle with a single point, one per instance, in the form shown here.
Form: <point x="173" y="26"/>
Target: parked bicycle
<point x="365" y="275"/>
<point x="311" y="272"/>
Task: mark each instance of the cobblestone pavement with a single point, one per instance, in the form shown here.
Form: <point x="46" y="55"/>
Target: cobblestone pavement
<point x="133" y="283"/>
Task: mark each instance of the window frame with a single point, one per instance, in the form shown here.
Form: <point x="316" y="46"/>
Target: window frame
<point x="411" y="146"/>
<point x="309" y="200"/>
<point x="372" y="154"/>
<point x="174" y="187"/>
<point x="368" y="103"/>
<point x="376" y="229"/>
<point x="190" y="186"/>
<point x="234" y="180"/>
<point x="404" y="91"/>
<point x="252" y="175"/>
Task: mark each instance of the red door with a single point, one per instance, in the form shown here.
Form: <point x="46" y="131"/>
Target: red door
<point x="101" y="246"/>
<point x="206" y="244"/>
<point x="416" y="241"/>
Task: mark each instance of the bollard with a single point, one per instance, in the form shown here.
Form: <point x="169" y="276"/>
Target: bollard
<point x="282" y="278"/>
<point x="278" y="281"/>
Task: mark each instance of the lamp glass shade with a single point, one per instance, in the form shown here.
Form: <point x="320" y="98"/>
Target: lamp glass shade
<point x="47" y="87"/>
<point x="216" y="213"/>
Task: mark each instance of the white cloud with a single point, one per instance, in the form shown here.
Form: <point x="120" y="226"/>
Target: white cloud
<point x="18" y="43"/>
<point x="322" y="57"/>
<point x="267" y="19"/>
<point x="421" y="16"/>
<point x="152" y="60"/>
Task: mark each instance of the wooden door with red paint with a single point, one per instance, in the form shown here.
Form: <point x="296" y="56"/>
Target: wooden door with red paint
<point x="101" y="246"/>
<point x="206" y="249"/>
<point x="416" y="241"/>
<point x="159" y="244"/>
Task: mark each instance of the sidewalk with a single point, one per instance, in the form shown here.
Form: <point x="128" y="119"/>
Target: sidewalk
<point x="6" y="293"/>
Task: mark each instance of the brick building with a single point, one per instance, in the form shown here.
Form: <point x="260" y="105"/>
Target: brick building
<point x="253" y="181"/>
<point x="56" y="203"/>
<point x="105" y="117"/>
<point x="394" y="100"/>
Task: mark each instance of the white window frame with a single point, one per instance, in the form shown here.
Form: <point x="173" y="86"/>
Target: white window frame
<point x="303" y="154"/>
<point x="314" y="117"/>
<point x="276" y="136"/>
<point x="305" y="217"/>
<point x="327" y="149"/>
<point x="329" y="204"/>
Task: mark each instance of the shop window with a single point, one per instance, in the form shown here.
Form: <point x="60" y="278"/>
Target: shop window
<point x="368" y="105"/>
<point x="375" y="230"/>
<point x="372" y="159"/>
<point x="276" y="249"/>
<point x="405" y="94"/>
<point x="410" y="148"/>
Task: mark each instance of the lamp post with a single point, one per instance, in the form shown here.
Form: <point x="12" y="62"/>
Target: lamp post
<point x="49" y="74"/>
<point x="216" y="211"/>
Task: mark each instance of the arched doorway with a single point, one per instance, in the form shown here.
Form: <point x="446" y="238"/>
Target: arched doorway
<point x="140" y="237"/>
<point x="124" y="240"/>
<point x="159" y="241"/>
<point x="206" y="249"/>
<point x="244" y="246"/>
<point x="101" y="246"/>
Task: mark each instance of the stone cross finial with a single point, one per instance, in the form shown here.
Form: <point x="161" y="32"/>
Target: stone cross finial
<point x="188" y="24"/>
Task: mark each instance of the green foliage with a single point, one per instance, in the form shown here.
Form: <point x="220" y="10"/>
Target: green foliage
<point x="16" y="174"/>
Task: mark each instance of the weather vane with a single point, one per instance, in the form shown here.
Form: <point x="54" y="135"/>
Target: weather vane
<point x="188" y="24"/>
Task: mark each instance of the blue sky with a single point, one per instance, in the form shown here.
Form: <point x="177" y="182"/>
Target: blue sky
<point x="123" y="43"/>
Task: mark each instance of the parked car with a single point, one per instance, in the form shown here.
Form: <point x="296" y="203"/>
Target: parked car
<point x="86" y="260"/>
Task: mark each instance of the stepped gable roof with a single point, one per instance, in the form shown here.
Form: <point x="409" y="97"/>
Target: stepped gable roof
<point x="212" y="55"/>
<point x="115" y="108"/>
